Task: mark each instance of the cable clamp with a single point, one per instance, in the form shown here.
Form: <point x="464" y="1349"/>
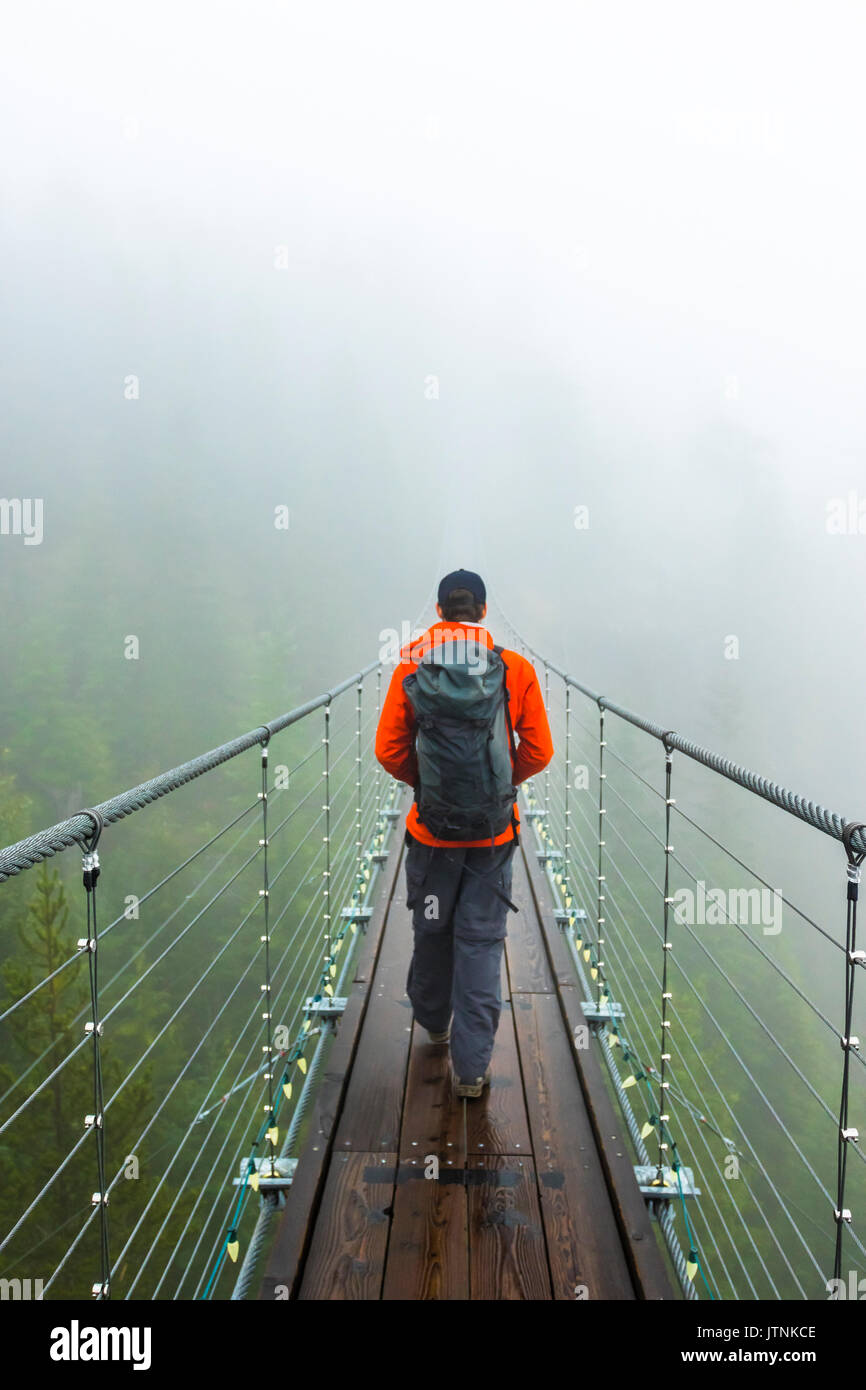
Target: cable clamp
<point x="85" y="944"/>
<point x="100" y="1290"/>
<point x="92" y="1120"/>
<point x="848" y="1134"/>
<point x="844" y="1215"/>
<point x="857" y="957"/>
<point x="99" y="1199"/>
<point x="88" y="1028"/>
<point x="852" y="1042"/>
<point x="90" y="869"/>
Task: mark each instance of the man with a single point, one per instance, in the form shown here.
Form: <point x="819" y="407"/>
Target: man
<point x="458" y="889"/>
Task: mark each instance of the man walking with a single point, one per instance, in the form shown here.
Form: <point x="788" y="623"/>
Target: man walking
<point x="464" y="723"/>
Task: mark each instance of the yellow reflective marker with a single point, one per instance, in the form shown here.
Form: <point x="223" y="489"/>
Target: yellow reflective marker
<point x="647" y="1129"/>
<point x="630" y="1081"/>
<point x="691" y="1269"/>
<point x="232" y="1250"/>
<point x="333" y="971"/>
<point x="306" y="1025"/>
<point x="586" y="954"/>
<point x="254" y="1181"/>
<point x="273" y="1134"/>
<point x="329" y="989"/>
<point x="287" y="1090"/>
<point x="354" y="929"/>
<point x="614" y="1040"/>
<point x="579" y="943"/>
<point x="339" y="946"/>
<point x="302" y="1065"/>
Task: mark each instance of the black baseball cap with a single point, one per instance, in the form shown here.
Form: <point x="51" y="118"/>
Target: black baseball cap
<point x="463" y="579"/>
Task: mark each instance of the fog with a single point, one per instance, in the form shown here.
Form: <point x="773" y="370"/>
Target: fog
<point x="432" y="279"/>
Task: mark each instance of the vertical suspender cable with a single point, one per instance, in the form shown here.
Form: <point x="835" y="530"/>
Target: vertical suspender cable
<point x="853" y="957"/>
<point x="264" y="893"/>
<point x="666" y="948"/>
<point x="326" y="872"/>
<point x="547" y="769"/>
<point x="359" y="847"/>
<point x="601" y="921"/>
<point x="566" y="867"/>
<point x="90" y="874"/>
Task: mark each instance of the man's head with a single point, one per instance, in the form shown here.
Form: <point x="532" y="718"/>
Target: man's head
<point x="462" y="597"/>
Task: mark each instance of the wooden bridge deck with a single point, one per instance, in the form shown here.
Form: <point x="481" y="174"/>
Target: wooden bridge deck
<point x="536" y="1200"/>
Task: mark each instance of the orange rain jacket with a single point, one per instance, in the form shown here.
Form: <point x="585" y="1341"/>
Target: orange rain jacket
<point x="395" y="736"/>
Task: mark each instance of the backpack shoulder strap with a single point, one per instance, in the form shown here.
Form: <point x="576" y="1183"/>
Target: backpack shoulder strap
<point x="498" y="651"/>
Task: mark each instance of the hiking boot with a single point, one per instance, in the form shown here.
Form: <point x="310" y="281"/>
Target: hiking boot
<point x="471" y="1090"/>
<point x="439" y="1037"/>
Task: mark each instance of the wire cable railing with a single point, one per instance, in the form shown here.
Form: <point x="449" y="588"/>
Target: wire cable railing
<point x="684" y="999"/>
<point x="720" y="1045"/>
<point x="151" y="1029"/>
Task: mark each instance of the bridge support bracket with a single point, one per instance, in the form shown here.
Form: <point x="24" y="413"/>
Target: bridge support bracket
<point x="549" y="856"/>
<point x="602" y="1013"/>
<point x="331" y="1006"/>
<point x="668" y="1188"/>
<point x="361" y="915"/>
<point x="276" y="1180"/>
<point x="565" y="916"/>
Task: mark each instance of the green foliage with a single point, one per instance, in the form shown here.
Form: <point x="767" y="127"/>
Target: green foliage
<point x="42" y="1032"/>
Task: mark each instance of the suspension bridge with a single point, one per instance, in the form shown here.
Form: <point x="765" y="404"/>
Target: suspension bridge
<point x="213" y="1087"/>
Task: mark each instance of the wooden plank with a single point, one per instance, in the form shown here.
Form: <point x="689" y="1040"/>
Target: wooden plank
<point x="347" y="1254"/>
<point x="559" y="957"/>
<point x="370" y="1119"/>
<point x="583" y="1239"/>
<point x="294" y="1232"/>
<point x="496" y="1122"/>
<point x="528" y="965"/>
<point x="648" y="1266"/>
<point x="507" y="1256"/>
<point x="428" y="1251"/>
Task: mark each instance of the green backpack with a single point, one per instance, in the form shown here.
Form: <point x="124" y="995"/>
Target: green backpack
<point x="464" y="733"/>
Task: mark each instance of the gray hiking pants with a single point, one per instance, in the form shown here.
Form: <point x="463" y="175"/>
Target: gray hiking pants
<point x="459" y="926"/>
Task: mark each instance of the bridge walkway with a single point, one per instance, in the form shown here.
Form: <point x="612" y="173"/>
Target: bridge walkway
<point x="535" y="1196"/>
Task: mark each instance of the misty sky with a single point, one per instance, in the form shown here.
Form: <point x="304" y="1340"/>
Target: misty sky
<point x="434" y="277"/>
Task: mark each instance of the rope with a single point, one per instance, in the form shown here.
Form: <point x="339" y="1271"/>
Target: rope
<point x="809" y="811"/>
<point x="15" y="859"/>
